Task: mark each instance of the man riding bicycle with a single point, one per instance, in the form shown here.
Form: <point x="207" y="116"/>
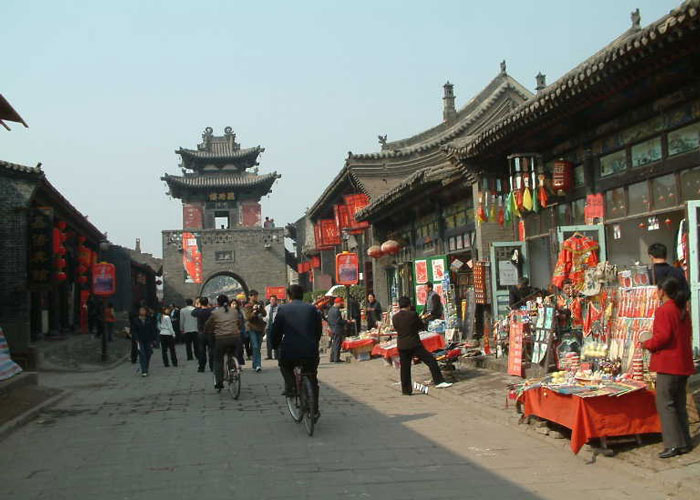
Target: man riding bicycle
<point x="296" y="331"/>
<point x="224" y="325"/>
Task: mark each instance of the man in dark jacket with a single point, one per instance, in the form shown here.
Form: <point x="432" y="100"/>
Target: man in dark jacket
<point x="254" y="312"/>
<point x="374" y="311"/>
<point x="143" y="329"/>
<point x="408" y="325"/>
<point x="337" y="325"/>
<point x="202" y="311"/>
<point x="296" y="332"/>
<point x="660" y="269"/>
<point x="433" y="305"/>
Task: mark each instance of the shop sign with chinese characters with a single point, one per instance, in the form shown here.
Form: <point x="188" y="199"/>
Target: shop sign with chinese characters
<point x="222" y="196"/>
<point x="40" y="246"/>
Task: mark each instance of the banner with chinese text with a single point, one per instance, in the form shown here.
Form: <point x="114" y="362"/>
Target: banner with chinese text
<point x="191" y="257"/>
<point x="355" y="203"/>
<point x="330" y="236"/>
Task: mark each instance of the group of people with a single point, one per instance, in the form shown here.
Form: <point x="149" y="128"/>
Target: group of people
<point x="151" y="329"/>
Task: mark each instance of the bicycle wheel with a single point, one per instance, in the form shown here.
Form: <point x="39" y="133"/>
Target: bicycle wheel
<point x="293" y="404"/>
<point x="234" y="378"/>
<point x="307" y="405"/>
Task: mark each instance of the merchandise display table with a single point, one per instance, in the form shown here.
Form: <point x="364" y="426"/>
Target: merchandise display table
<point x="594" y="417"/>
<point x="356" y="343"/>
<point x="431" y="341"/>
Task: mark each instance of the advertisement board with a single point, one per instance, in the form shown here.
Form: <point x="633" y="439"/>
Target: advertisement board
<point x="347" y="268"/>
<point x="104" y="279"/>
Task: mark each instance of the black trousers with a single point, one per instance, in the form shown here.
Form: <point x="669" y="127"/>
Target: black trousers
<point x="406" y="357"/>
<point x="167" y="343"/>
<point x="191" y="346"/>
<point x="134" y="349"/>
<point x="336" y="344"/>
<point x="308" y="366"/>
<point x="671" y="405"/>
<point x="271" y="353"/>
<point x="222" y="345"/>
<point x="206" y="344"/>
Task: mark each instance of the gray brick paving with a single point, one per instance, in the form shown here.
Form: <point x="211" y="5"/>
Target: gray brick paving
<point x="169" y="436"/>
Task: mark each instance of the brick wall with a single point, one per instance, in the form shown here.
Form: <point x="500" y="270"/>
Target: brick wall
<point x="256" y="265"/>
<point x="15" y="193"/>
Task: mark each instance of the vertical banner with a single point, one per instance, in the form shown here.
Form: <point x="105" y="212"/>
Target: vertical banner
<point x="355" y="203"/>
<point x="41" y="246"/>
<point x="331" y="235"/>
<point x="515" y="348"/>
<point x="421" y="271"/>
<point x="191" y="257"/>
<point x="192" y="215"/>
<point x="316" y="262"/>
<point x="250" y="213"/>
<point x="342" y="216"/>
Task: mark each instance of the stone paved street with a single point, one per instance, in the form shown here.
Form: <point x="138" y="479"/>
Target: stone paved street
<point x="170" y="436"/>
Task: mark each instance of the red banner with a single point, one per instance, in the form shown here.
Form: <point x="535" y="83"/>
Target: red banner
<point x="250" y="214"/>
<point x="355" y="203"/>
<point x="191" y="258"/>
<point x="342" y="216"/>
<point x="515" y="349"/>
<point x="316" y="261"/>
<point x="329" y="233"/>
<point x="104" y="279"/>
<point x="192" y="215"/>
<point x="347" y="269"/>
<point x="278" y="291"/>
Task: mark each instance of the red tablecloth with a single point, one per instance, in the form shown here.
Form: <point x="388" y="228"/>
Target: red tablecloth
<point x="588" y="418"/>
<point x="356" y="343"/>
<point x="388" y="350"/>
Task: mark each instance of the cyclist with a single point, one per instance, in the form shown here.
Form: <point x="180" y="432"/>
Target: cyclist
<point x="225" y="328"/>
<point x="296" y="331"/>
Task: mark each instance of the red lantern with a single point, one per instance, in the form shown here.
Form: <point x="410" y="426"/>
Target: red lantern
<point x="81" y="239"/>
<point x="60" y="263"/>
<point x="82" y="279"/>
<point x="61" y="276"/>
<point x="374" y="251"/>
<point x="562" y="176"/>
<point x="82" y="269"/>
<point x="62" y="225"/>
<point x="390" y="247"/>
<point x="61" y="250"/>
<point x="641" y="225"/>
<point x="668" y="223"/>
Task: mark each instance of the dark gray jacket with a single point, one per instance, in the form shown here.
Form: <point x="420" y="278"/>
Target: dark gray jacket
<point x="296" y="331"/>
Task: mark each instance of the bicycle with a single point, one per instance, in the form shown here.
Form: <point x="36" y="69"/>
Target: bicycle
<point x="301" y="404"/>
<point x="232" y="375"/>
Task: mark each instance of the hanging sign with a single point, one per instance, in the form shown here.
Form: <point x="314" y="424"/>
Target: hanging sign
<point x="347" y="268"/>
<point x="355" y="203"/>
<point x="507" y="273"/>
<point x="342" y="216"/>
<point x="278" y="291"/>
<point x="104" y="279"/>
<point x="515" y="349"/>
<point x="191" y="258"/>
<point x="329" y="233"/>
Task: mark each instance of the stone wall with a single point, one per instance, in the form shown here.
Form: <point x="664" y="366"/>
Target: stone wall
<point x="256" y="265"/>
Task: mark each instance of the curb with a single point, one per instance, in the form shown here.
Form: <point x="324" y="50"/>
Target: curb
<point x="58" y="369"/>
<point x="26" y="417"/>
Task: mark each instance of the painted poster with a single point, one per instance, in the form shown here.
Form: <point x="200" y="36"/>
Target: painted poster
<point x="250" y="214"/>
<point x="347" y="268"/>
<point x="438" y="266"/>
<point x="104" y="279"/>
<point x="515" y="349"/>
<point x="421" y="271"/>
<point x="191" y="258"/>
<point x="192" y="215"/>
<point x="440" y="291"/>
<point x="421" y="296"/>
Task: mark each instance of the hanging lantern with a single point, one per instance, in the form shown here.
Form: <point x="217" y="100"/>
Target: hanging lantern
<point x="641" y="225"/>
<point x="81" y="239"/>
<point x="562" y="177"/>
<point x="668" y="223"/>
<point x="61" y="250"/>
<point x="60" y="263"/>
<point x="62" y="225"/>
<point x="374" y="252"/>
<point x="82" y="280"/>
<point x="61" y="276"/>
<point x="82" y="269"/>
<point x="390" y="247"/>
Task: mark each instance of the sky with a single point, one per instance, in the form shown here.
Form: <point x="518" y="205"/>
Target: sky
<point x="111" y="89"/>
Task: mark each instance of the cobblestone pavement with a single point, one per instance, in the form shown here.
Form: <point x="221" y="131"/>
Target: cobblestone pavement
<point x="170" y="436"/>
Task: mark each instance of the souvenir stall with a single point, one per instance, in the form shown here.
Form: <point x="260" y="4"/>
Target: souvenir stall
<point x="591" y="333"/>
<point x="361" y="346"/>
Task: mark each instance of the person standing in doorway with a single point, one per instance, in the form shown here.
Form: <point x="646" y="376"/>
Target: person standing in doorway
<point x="255" y="326"/>
<point x="672" y="360"/>
<point x="167" y="338"/>
<point x="338" y="326"/>
<point x="660" y="269"/>
<point x="201" y="312"/>
<point x="143" y="330"/>
<point x="109" y="319"/>
<point x="374" y="311"/>
<point x="188" y="328"/>
<point x="270" y="314"/>
<point x="408" y="325"/>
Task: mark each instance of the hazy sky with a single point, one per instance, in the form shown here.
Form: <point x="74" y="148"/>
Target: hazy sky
<point x="111" y="89"/>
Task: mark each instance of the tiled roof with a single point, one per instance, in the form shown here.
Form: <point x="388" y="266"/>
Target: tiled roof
<point x="222" y="180"/>
<point x="222" y="151"/>
<point x="614" y="61"/>
<point x="15" y="167"/>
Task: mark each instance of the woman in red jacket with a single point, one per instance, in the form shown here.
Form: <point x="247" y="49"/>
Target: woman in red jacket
<point x="672" y="360"/>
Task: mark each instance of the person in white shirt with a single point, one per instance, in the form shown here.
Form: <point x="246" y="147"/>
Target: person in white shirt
<point x="188" y="328"/>
<point x="271" y="310"/>
<point x="167" y="338"/>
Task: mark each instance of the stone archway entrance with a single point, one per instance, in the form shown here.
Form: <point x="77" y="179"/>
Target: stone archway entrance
<point x="223" y="283"/>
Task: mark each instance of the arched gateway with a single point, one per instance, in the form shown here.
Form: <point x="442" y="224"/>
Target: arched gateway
<point x="227" y="283"/>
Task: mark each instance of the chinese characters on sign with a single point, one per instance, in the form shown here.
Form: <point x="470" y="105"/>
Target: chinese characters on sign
<point x="222" y="196"/>
<point x="191" y="258"/>
<point x="355" y="203"/>
<point x="278" y="291"/>
<point x="192" y="215"/>
<point x="515" y="349"/>
<point x="40" y="246"/>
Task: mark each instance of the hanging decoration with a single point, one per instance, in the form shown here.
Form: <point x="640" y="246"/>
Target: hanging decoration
<point x="542" y="192"/>
<point x="562" y="177"/>
<point x="501" y="212"/>
<point x="374" y="252"/>
<point x="390" y="247"/>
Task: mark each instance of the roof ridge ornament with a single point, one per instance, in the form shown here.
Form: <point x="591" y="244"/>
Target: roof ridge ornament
<point x="503" y="67"/>
<point x="636" y="18"/>
<point x="206" y="139"/>
<point x="382" y="140"/>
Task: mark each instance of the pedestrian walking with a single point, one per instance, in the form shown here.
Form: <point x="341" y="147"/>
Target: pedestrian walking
<point x="374" y="311"/>
<point x="270" y="314"/>
<point x="175" y="318"/>
<point x="201" y="312"/>
<point x="133" y="314"/>
<point x="224" y="325"/>
<point x="167" y="338"/>
<point x="144" y="331"/>
<point x="254" y="312"/>
<point x="672" y="360"/>
<point x="109" y="320"/>
<point x="338" y="326"/>
<point x="188" y="329"/>
<point x="245" y="338"/>
<point x="408" y="325"/>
